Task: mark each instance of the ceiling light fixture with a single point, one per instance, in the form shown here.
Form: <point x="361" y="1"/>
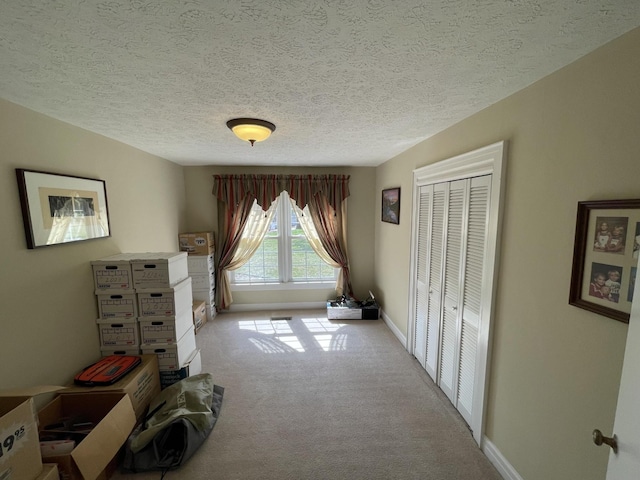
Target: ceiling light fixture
<point x="251" y="129"/>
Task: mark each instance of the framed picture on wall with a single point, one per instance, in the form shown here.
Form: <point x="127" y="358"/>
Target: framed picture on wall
<point x="391" y="205"/>
<point x="60" y="208"/>
<point x="605" y="256"/>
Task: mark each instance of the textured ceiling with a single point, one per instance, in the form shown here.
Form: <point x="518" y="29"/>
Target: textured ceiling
<point x="347" y="82"/>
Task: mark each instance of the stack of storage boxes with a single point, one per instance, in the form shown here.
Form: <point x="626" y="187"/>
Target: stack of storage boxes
<point x="203" y="276"/>
<point x="200" y="247"/>
<point x="117" y="305"/>
<point x="157" y="318"/>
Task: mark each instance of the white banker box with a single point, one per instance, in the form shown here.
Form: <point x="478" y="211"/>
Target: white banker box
<point x="159" y="270"/>
<point x="167" y="330"/>
<point x="165" y="302"/>
<point x="113" y="273"/>
<point x="173" y="357"/>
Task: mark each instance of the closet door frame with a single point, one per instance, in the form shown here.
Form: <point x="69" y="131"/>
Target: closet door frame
<point x="489" y="160"/>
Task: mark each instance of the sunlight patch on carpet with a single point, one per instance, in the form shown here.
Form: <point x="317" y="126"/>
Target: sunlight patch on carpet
<point x="283" y="334"/>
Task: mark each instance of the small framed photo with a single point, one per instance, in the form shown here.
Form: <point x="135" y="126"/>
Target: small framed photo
<point x="60" y="208"/>
<point x="605" y="257"/>
<point x="391" y="205"/>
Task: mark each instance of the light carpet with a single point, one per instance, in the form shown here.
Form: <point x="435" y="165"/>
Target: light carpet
<point x="309" y="398"/>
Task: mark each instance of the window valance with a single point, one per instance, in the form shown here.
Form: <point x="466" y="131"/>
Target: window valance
<point x="231" y="189"/>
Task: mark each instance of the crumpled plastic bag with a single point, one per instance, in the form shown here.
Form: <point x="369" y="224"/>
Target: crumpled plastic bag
<point x="179" y="421"/>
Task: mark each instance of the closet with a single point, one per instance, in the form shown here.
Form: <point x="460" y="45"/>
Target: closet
<point x="454" y="257"/>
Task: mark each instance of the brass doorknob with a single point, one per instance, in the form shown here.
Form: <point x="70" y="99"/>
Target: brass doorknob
<point x="599" y="439"/>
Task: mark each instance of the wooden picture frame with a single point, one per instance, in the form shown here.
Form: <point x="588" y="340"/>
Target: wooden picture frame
<point x="59" y="208"/>
<point x="391" y="205"/>
<point x="605" y="257"/>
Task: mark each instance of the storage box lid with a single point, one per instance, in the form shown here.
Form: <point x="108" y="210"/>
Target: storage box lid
<point x="161" y="257"/>
<point x="116" y="320"/>
<point x="198" y="305"/>
<point x="117" y="258"/>
<point x="30" y="391"/>
<point x="115" y="291"/>
<point x="115" y="294"/>
<point x="180" y="317"/>
<point x="200" y="259"/>
<point x="196" y="233"/>
<point x="178" y="286"/>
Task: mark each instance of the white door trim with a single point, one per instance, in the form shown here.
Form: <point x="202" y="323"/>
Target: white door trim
<point x="489" y="160"/>
<point x="626" y="428"/>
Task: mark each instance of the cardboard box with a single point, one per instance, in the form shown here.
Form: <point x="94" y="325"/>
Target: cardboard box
<point x="199" y="264"/>
<point x="19" y="441"/>
<point x="199" y="243"/>
<point x="117" y="305"/>
<point x="193" y="366"/>
<point x="49" y="472"/>
<point x="142" y="384"/>
<point x="173" y="357"/>
<point x="165" y="302"/>
<point x="113" y="273"/>
<point x="118" y="332"/>
<point x="168" y="330"/>
<point x="199" y="315"/>
<point x="114" y="419"/>
<point x="159" y="270"/>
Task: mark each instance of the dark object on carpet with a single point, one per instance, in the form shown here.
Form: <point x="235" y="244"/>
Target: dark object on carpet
<point x="180" y="420"/>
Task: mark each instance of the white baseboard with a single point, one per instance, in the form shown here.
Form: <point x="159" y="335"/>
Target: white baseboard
<point x="497" y="459"/>
<point x="393" y="328"/>
<point x="253" y="307"/>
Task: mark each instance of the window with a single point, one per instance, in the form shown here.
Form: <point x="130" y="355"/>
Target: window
<point x="285" y="255"/>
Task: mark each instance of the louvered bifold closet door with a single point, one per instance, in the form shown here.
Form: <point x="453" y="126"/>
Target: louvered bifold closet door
<point x="434" y="276"/>
<point x="475" y="250"/>
<point x="422" y="301"/>
<point x="455" y="216"/>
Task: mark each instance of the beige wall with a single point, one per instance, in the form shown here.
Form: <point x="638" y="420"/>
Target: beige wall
<point x="555" y="370"/>
<point x="48" y="308"/>
<point x="202" y="215"/>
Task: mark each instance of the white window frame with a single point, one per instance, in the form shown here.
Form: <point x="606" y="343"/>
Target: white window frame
<point x="286" y="281"/>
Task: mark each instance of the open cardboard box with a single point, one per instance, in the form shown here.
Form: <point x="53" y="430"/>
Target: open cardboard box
<point x="49" y="472"/>
<point x="19" y="442"/>
<point x="93" y="458"/>
<point x="96" y="455"/>
<point x="142" y="384"/>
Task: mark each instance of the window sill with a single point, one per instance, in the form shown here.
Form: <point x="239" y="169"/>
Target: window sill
<point x="237" y="287"/>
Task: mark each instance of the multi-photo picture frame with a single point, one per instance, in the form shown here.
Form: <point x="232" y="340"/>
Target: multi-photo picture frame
<point x="605" y="257"/>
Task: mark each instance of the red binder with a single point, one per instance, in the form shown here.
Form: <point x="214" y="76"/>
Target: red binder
<point x="107" y="371"/>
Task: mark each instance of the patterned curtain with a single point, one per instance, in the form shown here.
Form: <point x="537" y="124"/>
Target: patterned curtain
<point x="231" y="189"/>
<point x="238" y="193"/>
<point x="331" y="226"/>
<point x="254" y="232"/>
<point x="308" y="227"/>
<point x="235" y="220"/>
